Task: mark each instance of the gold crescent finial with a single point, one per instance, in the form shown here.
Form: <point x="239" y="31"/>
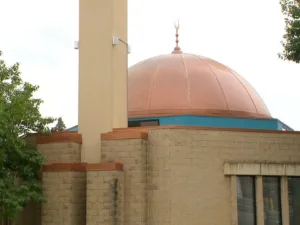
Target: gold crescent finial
<point x="176" y="26"/>
<point x="177" y="49"/>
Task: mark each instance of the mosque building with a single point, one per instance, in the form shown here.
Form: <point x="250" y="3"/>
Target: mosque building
<point x="177" y="139"/>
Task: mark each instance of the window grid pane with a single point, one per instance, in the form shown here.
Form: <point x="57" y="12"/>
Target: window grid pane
<point x="246" y="200"/>
<point x="272" y="200"/>
<point x="294" y="200"/>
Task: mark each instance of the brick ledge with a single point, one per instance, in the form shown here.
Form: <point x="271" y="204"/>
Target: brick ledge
<point x="124" y="134"/>
<point x="261" y="169"/>
<point x="59" y="137"/>
<point x="147" y="128"/>
<point x="82" y="167"/>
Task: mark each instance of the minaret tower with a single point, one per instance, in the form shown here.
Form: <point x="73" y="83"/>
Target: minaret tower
<point x="102" y="72"/>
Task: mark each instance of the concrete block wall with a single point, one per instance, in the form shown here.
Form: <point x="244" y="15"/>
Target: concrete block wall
<point x="160" y="180"/>
<point x="105" y="196"/>
<point x="171" y="176"/>
<point x="66" y="185"/>
<point x="186" y="177"/>
<point x="131" y="150"/>
<point x="67" y="152"/>
<point x="59" y="147"/>
<point x="65" y="193"/>
<point x="81" y="193"/>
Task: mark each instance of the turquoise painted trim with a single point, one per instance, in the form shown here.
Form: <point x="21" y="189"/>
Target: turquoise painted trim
<point x="75" y="128"/>
<point x="207" y="121"/>
<point x="225" y="122"/>
<point x="279" y="125"/>
<point x="283" y="126"/>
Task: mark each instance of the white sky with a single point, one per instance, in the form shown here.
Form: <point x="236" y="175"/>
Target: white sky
<point x="244" y="35"/>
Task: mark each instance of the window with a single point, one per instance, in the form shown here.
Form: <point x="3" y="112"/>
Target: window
<point x="294" y="200"/>
<point x="149" y="123"/>
<point x="143" y="123"/>
<point x="272" y="200"/>
<point x="246" y="200"/>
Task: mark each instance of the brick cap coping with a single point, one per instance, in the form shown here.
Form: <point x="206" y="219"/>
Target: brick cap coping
<point x="126" y="133"/>
<point x="142" y="132"/>
<point x="139" y="133"/>
<point x="82" y="167"/>
<point x="59" y="137"/>
<point x="146" y="129"/>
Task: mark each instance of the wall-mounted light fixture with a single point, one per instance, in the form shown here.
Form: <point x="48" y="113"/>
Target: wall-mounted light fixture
<point x="117" y="40"/>
<point x="76" y="45"/>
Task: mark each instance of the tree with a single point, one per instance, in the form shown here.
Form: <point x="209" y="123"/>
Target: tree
<point x="19" y="115"/>
<point x="60" y="125"/>
<point x="291" y="42"/>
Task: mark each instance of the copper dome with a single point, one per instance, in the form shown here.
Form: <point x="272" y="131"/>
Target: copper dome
<point x="186" y="84"/>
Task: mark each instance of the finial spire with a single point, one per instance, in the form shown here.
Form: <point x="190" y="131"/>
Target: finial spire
<point x="177" y="49"/>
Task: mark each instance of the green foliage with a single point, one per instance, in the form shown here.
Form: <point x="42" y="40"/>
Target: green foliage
<point x="60" y="125"/>
<point x="19" y="115"/>
<point x="291" y="42"/>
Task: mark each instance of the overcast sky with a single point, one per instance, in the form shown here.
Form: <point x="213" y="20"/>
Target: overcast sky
<point x="244" y="35"/>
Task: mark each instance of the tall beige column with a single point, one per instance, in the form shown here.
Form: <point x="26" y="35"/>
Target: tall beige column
<point x="285" y="201"/>
<point x="234" y="206"/>
<point x="102" y="72"/>
<point x="259" y="201"/>
<point x="120" y="65"/>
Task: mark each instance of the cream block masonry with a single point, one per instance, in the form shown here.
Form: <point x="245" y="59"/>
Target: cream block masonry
<point x="185" y="176"/>
<point x="102" y="72"/>
<point x="105" y="197"/>
<point x="65" y="198"/>
<point x="133" y="153"/>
